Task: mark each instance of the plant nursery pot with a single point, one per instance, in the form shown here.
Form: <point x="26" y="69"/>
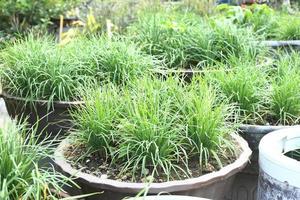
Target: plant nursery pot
<point x="253" y="134"/>
<point x="279" y="176"/>
<point x="245" y="184"/>
<point x="289" y="44"/>
<point x="167" y="197"/>
<point x="52" y="122"/>
<point x="213" y="185"/>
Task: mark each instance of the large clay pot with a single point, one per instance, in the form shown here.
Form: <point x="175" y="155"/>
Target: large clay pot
<point x="213" y="185"/>
<point x="51" y="120"/>
<point x="279" y="176"/>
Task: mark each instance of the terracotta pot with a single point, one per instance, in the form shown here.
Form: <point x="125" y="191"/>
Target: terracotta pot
<point x="213" y="185"/>
<point x="52" y="121"/>
<point x="289" y="44"/>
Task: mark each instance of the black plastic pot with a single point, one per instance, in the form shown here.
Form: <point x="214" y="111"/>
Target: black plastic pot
<point x="49" y="121"/>
<point x="213" y="185"/>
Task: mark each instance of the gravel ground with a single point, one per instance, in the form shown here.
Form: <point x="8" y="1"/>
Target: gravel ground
<point x="3" y="113"/>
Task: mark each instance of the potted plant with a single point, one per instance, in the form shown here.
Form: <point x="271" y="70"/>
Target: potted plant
<point x="279" y="29"/>
<point x="267" y="98"/>
<point x="22" y="176"/>
<point x="41" y="79"/>
<point x="146" y="130"/>
<point x="188" y="43"/>
<point x="279" y="152"/>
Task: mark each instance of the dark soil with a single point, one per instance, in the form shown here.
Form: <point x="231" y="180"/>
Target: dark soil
<point x="97" y="165"/>
<point x="293" y="154"/>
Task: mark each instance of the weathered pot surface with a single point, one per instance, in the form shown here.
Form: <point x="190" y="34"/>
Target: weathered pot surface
<point x="52" y="120"/>
<point x="279" y="177"/>
<point x="213" y="185"/>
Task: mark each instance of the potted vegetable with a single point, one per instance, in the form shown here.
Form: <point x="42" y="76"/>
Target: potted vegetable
<point x="189" y="43"/>
<point x="41" y="80"/>
<point x="146" y="130"/>
<point x="279" y="165"/>
<point x="267" y="98"/>
<point x="21" y="175"/>
<point x="280" y="29"/>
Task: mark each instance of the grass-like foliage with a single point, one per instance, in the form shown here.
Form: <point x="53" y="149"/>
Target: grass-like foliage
<point x="246" y="85"/>
<point x="264" y="20"/>
<point x="264" y="93"/>
<point x="155" y="127"/>
<point x="185" y="40"/>
<point x="38" y="68"/>
<point x="289" y="28"/>
<point x="285" y="96"/>
<point x="20" y="175"/>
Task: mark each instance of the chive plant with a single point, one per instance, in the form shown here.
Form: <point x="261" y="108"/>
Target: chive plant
<point x="263" y="93"/>
<point x="246" y="85"/>
<point x="285" y="98"/>
<point x="38" y="68"/>
<point x="185" y="40"/>
<point x="21" y="176"/>
<point x="288" y="28"/>
<point x="148" y="128"/>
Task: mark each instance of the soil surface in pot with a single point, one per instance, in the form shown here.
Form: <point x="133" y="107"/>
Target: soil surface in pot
<point x="96" y="165"/>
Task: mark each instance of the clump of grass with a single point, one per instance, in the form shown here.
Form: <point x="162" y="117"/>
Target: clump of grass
<point x="147" y="128"/>
<point x="288" y="28"/>
<point x="38" y="68"/>
<point x="285" y="99"/>
<point x="21" y="177"/>
<point x="246" y="85"/>
<point x="184" y="40"/>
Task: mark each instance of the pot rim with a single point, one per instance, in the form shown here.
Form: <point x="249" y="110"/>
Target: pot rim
<point x="262" y="129"/>
<point x="271" y="155"/>
<point x="5" y="95"/>
<point x="280" y="43"/>
<point x="169" y="186"/>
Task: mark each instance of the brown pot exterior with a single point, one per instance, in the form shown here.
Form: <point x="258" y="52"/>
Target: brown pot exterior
<point x="213" y="185"/>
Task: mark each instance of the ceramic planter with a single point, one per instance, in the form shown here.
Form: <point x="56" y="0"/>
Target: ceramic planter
<point x="279" y="176"/>
<point x="51" y="121"/>
<point x="213" y="185"/>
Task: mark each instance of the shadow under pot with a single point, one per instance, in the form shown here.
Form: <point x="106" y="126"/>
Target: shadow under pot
<point x="50" y="120"/>
<point x="213" y="185"/>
